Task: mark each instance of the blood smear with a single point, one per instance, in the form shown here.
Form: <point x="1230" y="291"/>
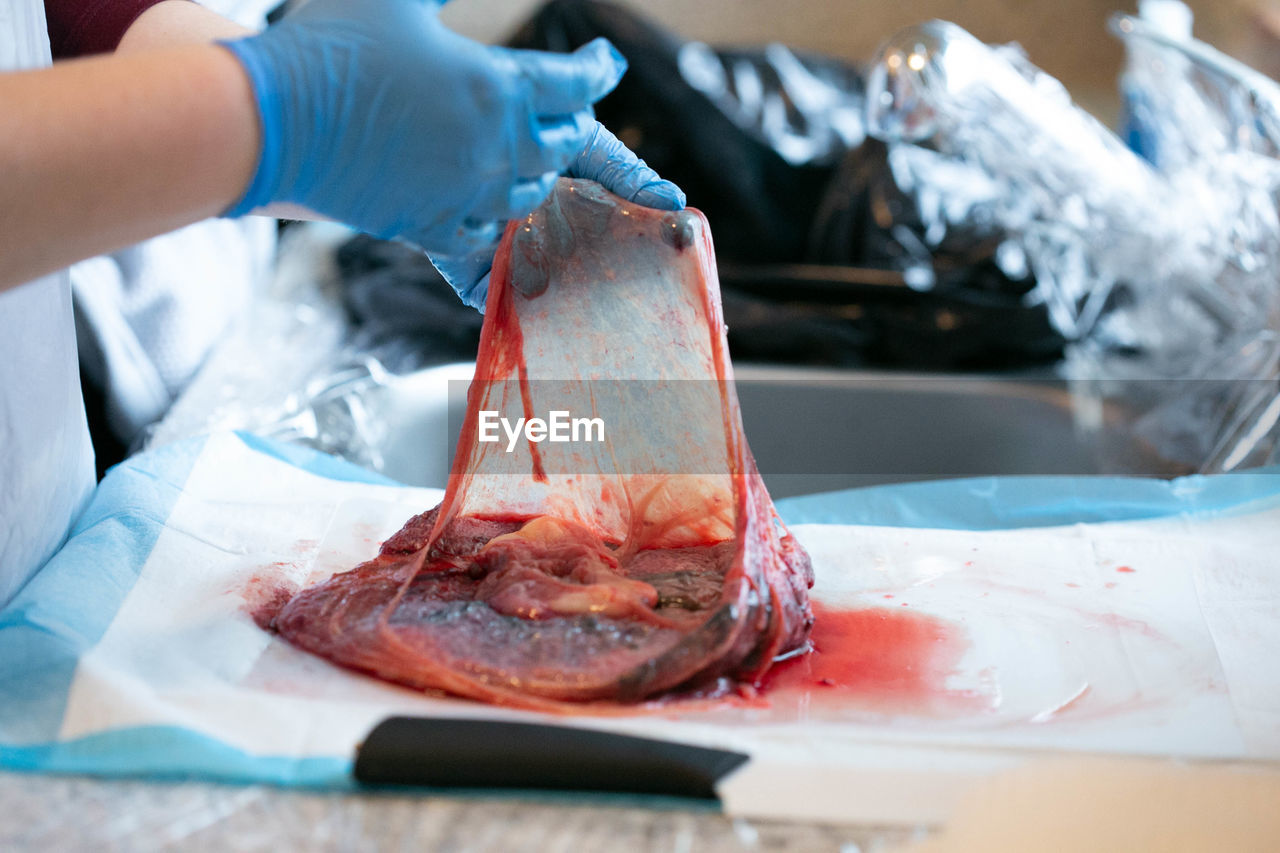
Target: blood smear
<point x="1125" y="570"/>
<point x="266" y="593"/>
<point x="881" y="659"/>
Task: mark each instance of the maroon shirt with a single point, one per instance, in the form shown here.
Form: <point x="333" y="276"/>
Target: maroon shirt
<point x="81" y="27"/>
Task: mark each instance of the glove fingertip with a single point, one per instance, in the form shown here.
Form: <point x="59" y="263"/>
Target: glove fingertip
<point x="612" y="66"/>
<point x="602" y="44"/>
<point x="662" y="195"/>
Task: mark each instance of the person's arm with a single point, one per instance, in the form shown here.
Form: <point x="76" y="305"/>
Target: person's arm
<point x="171" y="23"/>
<point x="370" y="112"/>
<point x="100" y="153"/>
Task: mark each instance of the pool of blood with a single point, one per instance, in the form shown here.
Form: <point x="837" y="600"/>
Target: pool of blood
<point x="880" y="659"/>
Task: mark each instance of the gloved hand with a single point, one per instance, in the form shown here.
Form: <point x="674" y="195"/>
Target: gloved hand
<point x="375" y="114"/>
<point x="603" y="159"/>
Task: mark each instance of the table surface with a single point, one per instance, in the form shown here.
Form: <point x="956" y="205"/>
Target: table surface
<point x="77" y="813"/>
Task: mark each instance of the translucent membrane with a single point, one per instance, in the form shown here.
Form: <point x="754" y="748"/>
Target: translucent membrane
<point x="585" y="570"/>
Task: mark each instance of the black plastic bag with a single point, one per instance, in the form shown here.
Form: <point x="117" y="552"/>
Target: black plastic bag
<point x="821" y="255"/>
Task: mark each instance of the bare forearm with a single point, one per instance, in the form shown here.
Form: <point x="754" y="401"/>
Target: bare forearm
<point x="177" y="22"/>
<point x="182" y="22"/>
<point x="103" y="152"/>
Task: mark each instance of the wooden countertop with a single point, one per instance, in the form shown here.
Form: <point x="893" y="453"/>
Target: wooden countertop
<point x="77" y="813"/>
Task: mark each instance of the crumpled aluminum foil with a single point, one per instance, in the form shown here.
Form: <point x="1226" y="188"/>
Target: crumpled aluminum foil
<point x="809" y="111"/>
<point x="1165" y="275"/>
<point x="1162" y="267"/>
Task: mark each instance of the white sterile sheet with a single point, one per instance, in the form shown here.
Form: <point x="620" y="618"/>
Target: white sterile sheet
<point x="990" y="647"/>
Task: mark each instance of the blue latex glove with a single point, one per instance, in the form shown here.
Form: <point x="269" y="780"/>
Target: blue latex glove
<point x="377" y="115"/>
<point x="603" y="159"/>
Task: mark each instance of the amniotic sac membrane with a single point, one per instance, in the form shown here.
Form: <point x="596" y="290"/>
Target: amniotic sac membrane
<point x="644" y="558"/>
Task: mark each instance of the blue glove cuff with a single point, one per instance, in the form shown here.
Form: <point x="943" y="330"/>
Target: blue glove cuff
<point x="266" y="177"/>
